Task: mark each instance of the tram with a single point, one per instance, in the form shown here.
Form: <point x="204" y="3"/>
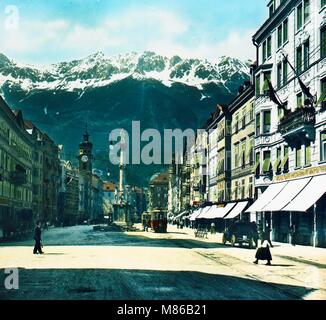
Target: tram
<point x="159" y="221"/>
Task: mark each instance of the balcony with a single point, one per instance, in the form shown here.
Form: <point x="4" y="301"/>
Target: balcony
<point x="298" y="126"/>
<point x="18" y="177"/>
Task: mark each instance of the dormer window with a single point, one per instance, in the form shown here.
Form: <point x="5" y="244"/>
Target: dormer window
<point x="271" y="8"/>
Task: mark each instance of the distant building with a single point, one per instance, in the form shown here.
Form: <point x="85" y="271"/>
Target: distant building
<point x="219" y="156"/>
<point x="158" y="191"/>
<point x="96" y="214"/>
<point x="68" y="213"/>
<point x="109" y="191"/>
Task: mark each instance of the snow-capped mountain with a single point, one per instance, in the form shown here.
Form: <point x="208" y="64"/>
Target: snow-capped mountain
<point x="111" y="92"/>
<point x="98" y="71"/>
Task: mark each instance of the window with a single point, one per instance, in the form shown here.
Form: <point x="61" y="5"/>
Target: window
<point x="278" y="160"/>
<point x="299" y="16"/>
<point x="271" y="8"/>
<point x="251" y="112"/>
<point x="243" y="154"/>
<point x="282" y="33"/>
<point x="251" y="151"/>
<point x="236" y="187"/>
<point x="307" y="159"/>
<point x="285" y="30"/>
<point x="243" y="188"/>
<point x="299" y="59"/>
<point x="258" y="124"/>
<point x="322" y="99"/>
<point x="323" y="146"/>
<point x="285" y="72"/>
<point x="267" y="162"/>
<point x="258" y="85"/>
<point x="323" y="42"/>
<point x="280" y="36"/>
<point x="267" y="76"/>
<point x="264" y="51"/>
<point x="269" y="47"/>
<point x="306" y="52"/>
<point x="236" y="155"/>
<point x="257" y="166"/>
<point x="306" y="10"/>
<point x="298" y="152"/>
<point x="267" y="121"/>
<point x="279" y="75"/>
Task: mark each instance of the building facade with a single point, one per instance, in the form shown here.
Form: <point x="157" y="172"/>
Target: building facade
<point x="16" y="167"/>
<point x="290" y="132"/>
<point x="158" y="192"/>
<point x="242" y="144"/>
<point x="219" y="156"/>
<point x="68" y="213"/>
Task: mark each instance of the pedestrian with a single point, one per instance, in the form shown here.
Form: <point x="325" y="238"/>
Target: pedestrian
<point x="178" y="224"/>
<point x="293" y="234"/>
<point x="181" y="224"/>
<point x="264" y="253"/>
<point x="213" y="230"/>
<point x="37" y="238"/>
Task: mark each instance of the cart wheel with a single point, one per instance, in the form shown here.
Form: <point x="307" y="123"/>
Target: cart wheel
<point x="233" y="240"/>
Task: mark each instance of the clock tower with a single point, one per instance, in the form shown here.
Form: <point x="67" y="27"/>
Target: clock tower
<point x="85" y="159"/>
<point x="85" y="154"/>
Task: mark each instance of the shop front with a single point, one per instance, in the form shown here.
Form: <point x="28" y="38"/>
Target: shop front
<point x="296" y="209"/>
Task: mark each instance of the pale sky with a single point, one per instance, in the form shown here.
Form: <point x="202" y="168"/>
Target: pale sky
<point x="43" y="31"/>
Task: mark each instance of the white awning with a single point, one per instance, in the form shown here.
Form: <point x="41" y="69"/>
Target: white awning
<point x="309" y="195"/>
<point x="204" y="212"/>
<point x="289" y="192"/>
<point x="195" y="214"/>
<point x="240" y="206"/>
<point x="218" y="212"/>
<point x="270" y="193"/>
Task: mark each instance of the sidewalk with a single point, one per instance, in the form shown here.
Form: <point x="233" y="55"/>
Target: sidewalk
<point x="304" y="254"/>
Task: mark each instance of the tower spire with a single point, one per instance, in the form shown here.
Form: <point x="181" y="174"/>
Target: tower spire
<point x="86" y="135"/>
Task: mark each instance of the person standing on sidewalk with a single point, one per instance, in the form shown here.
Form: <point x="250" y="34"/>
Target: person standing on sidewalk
<point x="213" y="230"/>
<point x="37" y="238"/>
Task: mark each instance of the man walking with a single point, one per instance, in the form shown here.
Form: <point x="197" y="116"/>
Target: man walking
<point x="37" y="238"/>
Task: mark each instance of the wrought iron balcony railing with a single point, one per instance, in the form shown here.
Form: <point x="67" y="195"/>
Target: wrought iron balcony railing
<point x="298" y="125"/>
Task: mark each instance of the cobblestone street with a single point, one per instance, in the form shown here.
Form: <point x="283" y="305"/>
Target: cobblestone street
<point x="80" y="263"/>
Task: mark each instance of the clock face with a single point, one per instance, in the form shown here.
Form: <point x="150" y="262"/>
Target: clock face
<point x="84" y="158"/>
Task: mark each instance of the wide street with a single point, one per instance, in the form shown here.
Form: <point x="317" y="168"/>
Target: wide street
<point x="80" y="263"/>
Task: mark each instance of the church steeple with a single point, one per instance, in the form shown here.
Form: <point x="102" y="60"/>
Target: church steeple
<point x="86" y="135"/>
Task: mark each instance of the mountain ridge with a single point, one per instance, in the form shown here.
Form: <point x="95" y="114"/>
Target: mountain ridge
<point x="99" y="70"/>
<point x="109" y="93"/>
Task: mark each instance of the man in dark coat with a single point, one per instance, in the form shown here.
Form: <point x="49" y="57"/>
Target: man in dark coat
<point x="37" y="238"/>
